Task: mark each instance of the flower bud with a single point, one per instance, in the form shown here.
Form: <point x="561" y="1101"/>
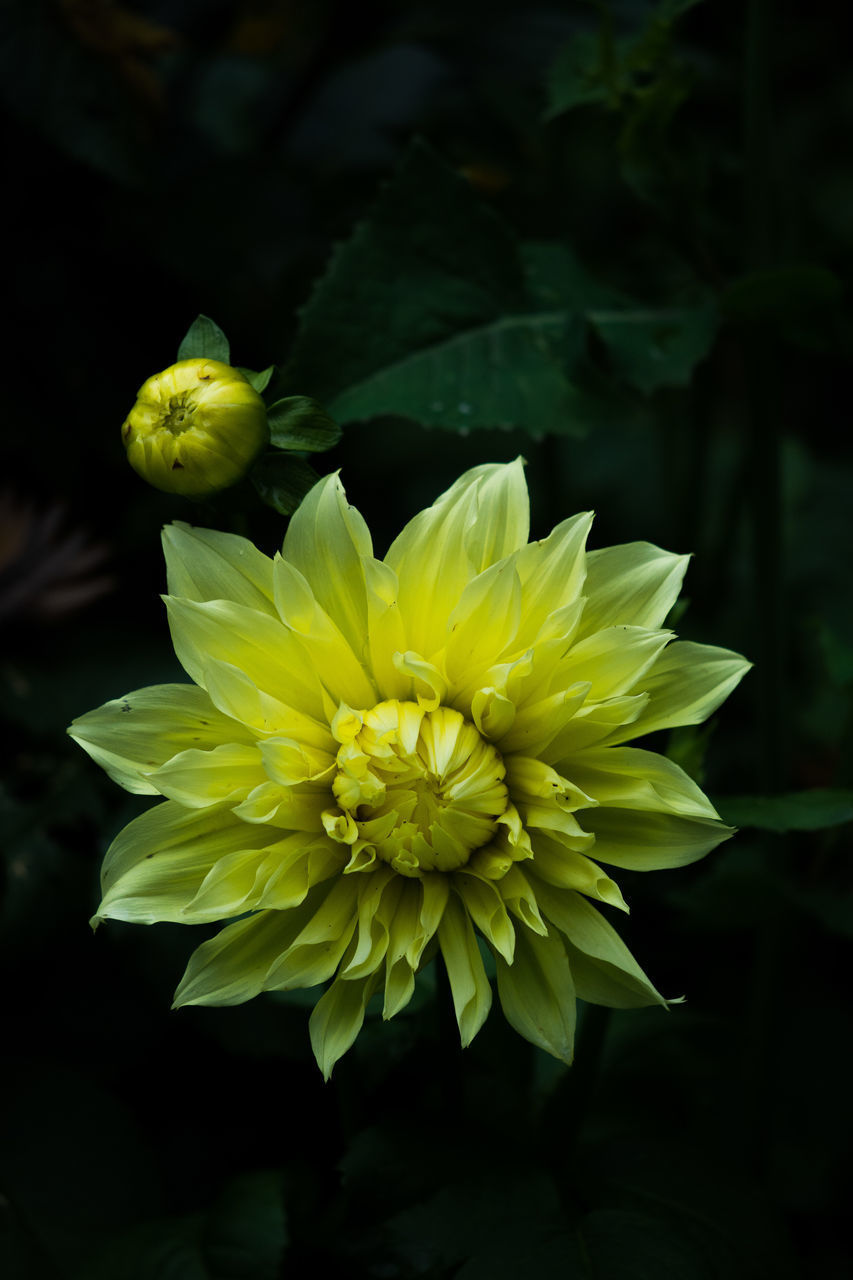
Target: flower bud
<point x="195" y="428"/>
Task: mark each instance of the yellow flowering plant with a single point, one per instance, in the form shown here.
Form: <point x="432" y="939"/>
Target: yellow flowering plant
<point x="380" y="762"/>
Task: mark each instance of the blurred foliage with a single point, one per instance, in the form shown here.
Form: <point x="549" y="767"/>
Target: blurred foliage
<point x="616" y="238"/>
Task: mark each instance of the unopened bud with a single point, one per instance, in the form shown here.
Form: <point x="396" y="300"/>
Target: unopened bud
<point x="196" y="428"/>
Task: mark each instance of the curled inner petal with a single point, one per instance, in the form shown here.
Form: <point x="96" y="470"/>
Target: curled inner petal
<point x="421" y="789"/>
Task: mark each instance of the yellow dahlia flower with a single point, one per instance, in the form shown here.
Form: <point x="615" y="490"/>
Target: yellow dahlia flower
<point x="382" y="760"/>
<point x="196" y="428"/>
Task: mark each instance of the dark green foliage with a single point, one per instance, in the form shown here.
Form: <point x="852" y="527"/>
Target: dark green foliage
<point x="614" y="238"/>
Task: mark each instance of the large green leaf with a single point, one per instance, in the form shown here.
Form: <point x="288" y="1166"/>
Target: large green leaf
<point x="507" y="373"/>
<point x="431" y="261"/>
<point x="794" y="811"/>
<point x="657" y="347"/>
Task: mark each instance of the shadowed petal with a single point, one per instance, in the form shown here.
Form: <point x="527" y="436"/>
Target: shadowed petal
<point x="537" y="993"/>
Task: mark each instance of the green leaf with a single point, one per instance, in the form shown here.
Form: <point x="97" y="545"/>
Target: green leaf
<point x="260" y="381"/>
<point x="205" y="339"/>
<point x="431" y="261"/>
<point x="300" y="423"/>
<point x="657" y="347"/>
<point x="763" y="297"/>
<point x="246" y="1230"/>
<point x="556" y="278"/>
<point x="795" y="811"/>
<point x="624" y="1244"/>
<point x="283" y="481"/>
<point x="578" y="76"/>
<point x="507" y="373"/>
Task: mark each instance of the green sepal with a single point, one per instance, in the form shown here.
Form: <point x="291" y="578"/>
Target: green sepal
<point x="259" y="381"/>
<point x="301" y="424"/>
<point x="282" y="481"/>
<point x="205" y="339"/>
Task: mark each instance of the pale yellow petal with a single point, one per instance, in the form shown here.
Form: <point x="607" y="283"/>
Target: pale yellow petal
<point x="469" y="986"/>
<point x="197" y="779"/>
<point x="644" y="841"/>
<point x="537" y="994"/>
<point x="612" y="660"/>
<point x="341" y="669"/>
<point x="484" y="622"/>
<point x="328" y="542"/>
<point x="487" y="909"/>
<point x="399" y="972"/>
<point x="552" y="573"/>
<point x="588" y="931"/>
<point x="132" y="735"/>
<point x="204" y="564"/>
<point x="294" y="867"/>
<point x="435" y="891"/>
<point x="232" y="967"/>
<point x="156" y="865"/>
<point x="316" y="951"/>
<point x="633" y="779"/>
<point x="686" y="684"/>
<point x="477" y="522"/>
<point x="383" y="888"/>
<point x="237" y="696"/>
<point x="337" y="1018"/>
<point x="556" y="863"/>
<point x="386" y="634"/>
<point x="258" y="645"/>
<point x="635" y="584"/>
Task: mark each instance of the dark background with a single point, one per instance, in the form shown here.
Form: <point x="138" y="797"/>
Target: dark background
<point x="166" y="159"/>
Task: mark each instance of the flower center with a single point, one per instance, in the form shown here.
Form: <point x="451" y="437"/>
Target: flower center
<point x="422" y="790"/>
<point x="179" y="415"/>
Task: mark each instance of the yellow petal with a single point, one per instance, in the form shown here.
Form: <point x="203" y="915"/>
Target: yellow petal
<point x="258" y="645"/>
<point x="132" y="735"/>
<point x="328" y="542"/>
<point x="156" y="865"/>
<point x="645" y="841"/>
<point x="472" y="995"/>
<point x="487" y="909"/>
<point x="588" y="931"/>
<point x="537" y="994"/>
<point x="314" y="954"/>
<point x="612" y="660"/>
<point x="235" y="694"/>
<point x="633" y="779"/>
<point x="477" y="522"/>
<point x="566" y="868"/>
<point x="200" y="778"/>
<point x="635" y="584"/>
<point x="552" y="573"/>
<point x="232" y="967"/>
<point x="484" y="622"/>
<point x="340" y="668"/>
<point x="684" y="686"/>
<point x="337" y="1018"/>
<point x="204" y="564"/>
